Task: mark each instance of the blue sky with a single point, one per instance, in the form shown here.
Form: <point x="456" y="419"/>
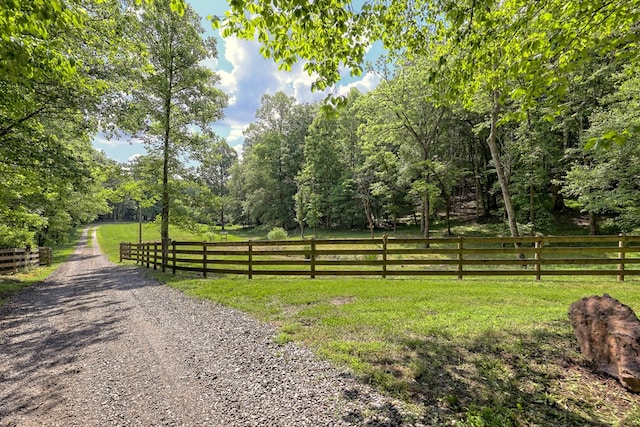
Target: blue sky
<point x="245" y="77"/>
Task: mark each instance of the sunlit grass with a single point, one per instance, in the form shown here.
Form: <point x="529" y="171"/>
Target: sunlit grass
<point x="110" y="235"/>
<point x="493" y="349"/>
<point x="472" y="352"/>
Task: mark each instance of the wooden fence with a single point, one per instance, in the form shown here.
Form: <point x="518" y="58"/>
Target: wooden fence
<point x="462" y="256"/>
<point x="12" y="259"/>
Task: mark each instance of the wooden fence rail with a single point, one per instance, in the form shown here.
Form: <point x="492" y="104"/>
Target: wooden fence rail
<point x="457" y="256"/>
<point x="12" y="259"/>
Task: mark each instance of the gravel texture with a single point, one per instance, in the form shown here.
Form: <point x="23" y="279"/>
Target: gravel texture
<point x="98" y="344"/>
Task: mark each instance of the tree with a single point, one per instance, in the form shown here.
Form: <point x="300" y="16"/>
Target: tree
<point x="505" y="50"/>
<point x="216" y="162"/>
<point x="273" y="157"/>
<point x="238" y="209"/>
<point x="62" y="64"/>
<point x="140" y="184"/>
<point x="321" y="172"/>
<point x="42" y="199"/>
<point x="178" y="95"/>
<point x="405" y="119"/>
<point x="606" y="181"/>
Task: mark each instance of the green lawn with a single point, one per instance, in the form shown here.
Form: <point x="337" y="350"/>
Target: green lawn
<point x="110" y="235"/>
<point x="481" y="352"/>
<point x="476" y="352"/>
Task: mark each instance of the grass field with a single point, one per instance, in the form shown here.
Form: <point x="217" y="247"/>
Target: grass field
<point x="10" y="284"/>
<point x="476" y="352"/>
<point x="110" y="235"/>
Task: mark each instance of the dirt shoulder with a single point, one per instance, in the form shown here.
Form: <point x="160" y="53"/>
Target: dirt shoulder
<point x="99" y="344"/>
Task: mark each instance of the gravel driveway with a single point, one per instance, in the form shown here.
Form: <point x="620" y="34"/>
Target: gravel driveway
<point x="97" y="344"/>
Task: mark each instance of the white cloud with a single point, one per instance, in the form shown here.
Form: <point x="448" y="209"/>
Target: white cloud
<point x="368" y="83"/>
<point x="236" y="133"/>
<point x="211" y="63"/>
<point x="119" y="149"/>
<point x="245" y="76"/>
<point x="101" y="139"/>
<point x="250" y="77"/>
<point x="297" y="83"/>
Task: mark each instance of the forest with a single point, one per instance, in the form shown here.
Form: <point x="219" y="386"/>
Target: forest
<point x="509" y="111"/>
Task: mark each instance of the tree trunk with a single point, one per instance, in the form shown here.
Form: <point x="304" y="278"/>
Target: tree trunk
<point x="448" y="213"/>
<point x="532" y="210"/>
<point x="478" y="186"/>
<point x="164" y="226"/>
<point x="367" y="211"/>
<point x="139" y="223"/>
<point x="425" y="213"/>
<point x="366" y="204"/>
<point x="495" y="155"/>
<point x="593" y="224"/>
<point x="164" y="215"/>
<point x="557" y="201"/>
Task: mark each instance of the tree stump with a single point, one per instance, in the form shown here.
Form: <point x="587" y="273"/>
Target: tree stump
<point x="608" y="333"/>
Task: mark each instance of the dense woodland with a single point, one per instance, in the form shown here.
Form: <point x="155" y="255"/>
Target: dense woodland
<point x="486" y="111"/>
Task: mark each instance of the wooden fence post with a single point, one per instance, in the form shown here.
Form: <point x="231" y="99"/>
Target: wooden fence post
<point x="621" y="256"/>
<point x="44" y="255"/>
<point x="312" y="260"/>
<point x="164" y="256"/>
<point x="146" y="253"/>
<point x="173" y="243"/>
<point x="538" y="257"/>
<point x="250" y="259"/>
<point x="15" y="260"/>
<point x="204" y="260"/>
<point x="155" y="255"/>
<point x="460" y="257"/>
<point x="385" y="240"/>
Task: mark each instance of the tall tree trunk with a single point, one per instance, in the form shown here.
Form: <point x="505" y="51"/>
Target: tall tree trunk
<point x="366" y="204"/>
<point x="425" y="213"/>
<point x="139" y="223"/>
<point x="557" y="201"/>
<point x="495" y="155"/>
<point x="448" y="213"/>
<point x="593" y="224"/>
<point x="532" y="210"/>
<point x="477" y="185"/>
<point x="164" y="215"/>
<point x="368" y="213"/>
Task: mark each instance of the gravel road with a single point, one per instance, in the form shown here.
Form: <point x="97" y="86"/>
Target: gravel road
<point x="99" y="344"/>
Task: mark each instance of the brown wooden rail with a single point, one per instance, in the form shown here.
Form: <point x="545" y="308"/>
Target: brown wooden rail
<point x="456" y="256"/>
<point x="12" y="259"/>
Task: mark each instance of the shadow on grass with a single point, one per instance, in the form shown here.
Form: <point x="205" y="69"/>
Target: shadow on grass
<point x="507" y="378"/>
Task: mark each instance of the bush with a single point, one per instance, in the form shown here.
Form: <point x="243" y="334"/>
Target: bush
<point x="277" y="233"/>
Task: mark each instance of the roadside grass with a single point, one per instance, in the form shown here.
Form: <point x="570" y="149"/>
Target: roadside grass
<point x="475" y="352"/>
<point x="472" y="352"/>
<point x="11" y="284"/>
